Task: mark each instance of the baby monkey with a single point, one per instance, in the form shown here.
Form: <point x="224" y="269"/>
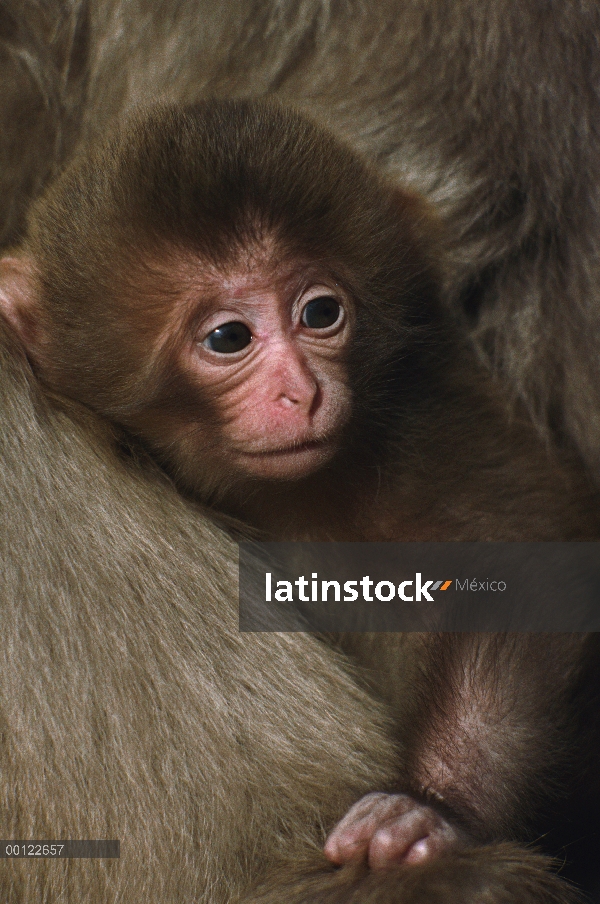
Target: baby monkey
<point x="241" y="292"/>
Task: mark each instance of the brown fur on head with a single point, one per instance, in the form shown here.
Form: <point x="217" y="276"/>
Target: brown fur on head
<point x="184" y="201"/>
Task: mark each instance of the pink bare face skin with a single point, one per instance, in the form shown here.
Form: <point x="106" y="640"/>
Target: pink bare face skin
<point x="268" y="349"/>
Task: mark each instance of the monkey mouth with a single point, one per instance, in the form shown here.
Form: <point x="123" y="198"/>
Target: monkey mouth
<point x="290" y="462"/>
<point x="313" y="445"/>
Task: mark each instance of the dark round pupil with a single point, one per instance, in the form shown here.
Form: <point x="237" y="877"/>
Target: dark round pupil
<point x="321" y="313"/>
<point x="229" y="338"/>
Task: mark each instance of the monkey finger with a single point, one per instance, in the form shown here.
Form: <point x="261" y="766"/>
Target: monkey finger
<point x="389" y="828"/>
<point x="416" y="835"/>
<point x="349" y="840"/>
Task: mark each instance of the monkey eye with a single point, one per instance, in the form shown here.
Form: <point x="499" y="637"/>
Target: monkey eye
<point x="228" y="338"/>
<point x="321" y="312"/>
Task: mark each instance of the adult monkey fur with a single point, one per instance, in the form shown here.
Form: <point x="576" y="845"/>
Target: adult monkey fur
<point x="88" y="96"/>
<point x="127" y="693"/>
<point x="124" y="712"/>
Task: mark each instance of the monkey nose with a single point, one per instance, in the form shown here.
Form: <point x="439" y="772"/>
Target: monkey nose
<point x="304" y="398"/>
<point x="296" y="387"/>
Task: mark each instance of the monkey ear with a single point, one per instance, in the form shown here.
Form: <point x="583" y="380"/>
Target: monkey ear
<point x="18" y="297"/>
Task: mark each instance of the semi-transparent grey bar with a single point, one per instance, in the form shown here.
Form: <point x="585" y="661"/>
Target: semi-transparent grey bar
<point x="333" y="587"/>
<point x="59" y="850"/>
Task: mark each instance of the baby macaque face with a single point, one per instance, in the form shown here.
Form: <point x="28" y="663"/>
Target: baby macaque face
<point x="269" y="350"/>
<point x="256" y="355"/>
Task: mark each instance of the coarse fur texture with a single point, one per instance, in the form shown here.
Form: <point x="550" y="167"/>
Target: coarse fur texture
<point x="132" y="707"/>
<point x="519" y="200"/>
<point x="484" y="876"/>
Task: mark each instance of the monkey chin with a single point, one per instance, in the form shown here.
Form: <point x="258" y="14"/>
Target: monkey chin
<point x="289" y="463"/>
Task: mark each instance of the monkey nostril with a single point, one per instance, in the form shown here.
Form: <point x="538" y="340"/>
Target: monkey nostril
<point x="308" y="399"/>
<point x="291" y="400"/>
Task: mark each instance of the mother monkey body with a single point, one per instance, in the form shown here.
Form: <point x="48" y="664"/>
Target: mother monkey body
<point x="157" y="752"/>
